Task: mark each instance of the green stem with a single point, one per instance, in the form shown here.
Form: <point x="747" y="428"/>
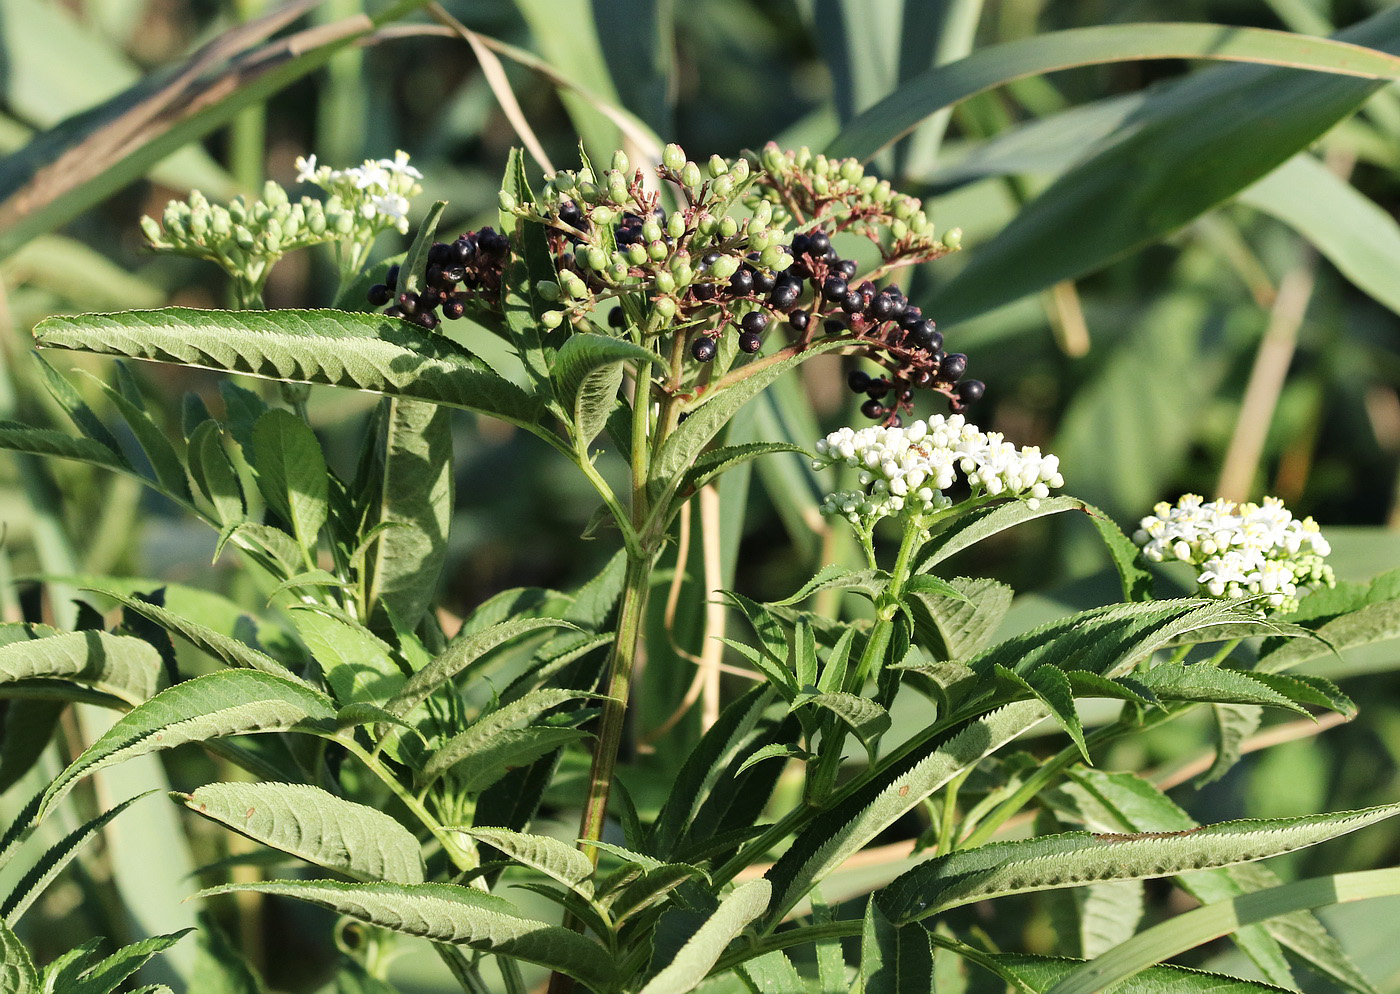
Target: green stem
<point x="947" y="820"/>
<point x="618" y="688"/>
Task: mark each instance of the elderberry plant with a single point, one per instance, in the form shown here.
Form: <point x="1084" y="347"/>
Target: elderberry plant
<point x="644" y="307"/>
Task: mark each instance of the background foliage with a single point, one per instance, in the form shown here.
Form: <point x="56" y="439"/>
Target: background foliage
<point x="1139" y="300"/>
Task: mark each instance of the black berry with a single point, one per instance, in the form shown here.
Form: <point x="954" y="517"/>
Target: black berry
<point x="846" y="267"/>
<point x="453" y="309"/>
<point x="954" y="365"/>
<point x="800" y="320"/>
<point x="922" y="334"/>
<point x="881" y="307"/>
<point x="408" y="303"/>
<point x="970" y="390"/>
<point x="616" y="319"/>
<point x="877" y="388"/>
<point x="704" y="349"/>
<point x="858" y="380"/>
<point x="750" y="342"/>
<point x="391" y="278"/>
<point x="785" y="294"/>
<point x="873" y="409"/>
<point x="853" y="302"/>
<point x="818" y="242"/>
<point x="754" y="321"/>
<point x="741" y="283"/>
<point x="379" y="295"/>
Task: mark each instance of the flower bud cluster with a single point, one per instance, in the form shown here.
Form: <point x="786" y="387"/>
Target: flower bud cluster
<point x="376" y="193"/>
<point x="246" y="236"/>
<point x="906" y="470"/>
<point x="1239" y="550"/>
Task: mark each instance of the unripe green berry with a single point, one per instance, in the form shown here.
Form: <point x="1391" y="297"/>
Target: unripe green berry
<point x="740" y="170"/>
<point x="899" y="230"/>
<point x="548" y="289"/>
<point x="673" y="158"/>
<point x="717" y="167"/>
<point x="821" y="166"/>
<point x="820" y="186"/>
<point x="690" y="175"/>
<point x="867" y="184"/>
<point x="772" y="158"/>
<point x="620" y="163"/>
<point x="722" y="187"/>
<point x="617" y="272"/>
<point x="602" y="215"/>
<point x="675" y="224"/>
<point x="597" y="258"/>
<point x="552" y="319"/>
<point x="728" y="227"/>
<point x="775" y="258"/>
<point x="617" y="187"/>
<point x="851" y="170"/>
<point x="724" y="267"/>
<point x="952" y="238"/>
<point x="759" y="240"/>
<point x="803" y="158"/>
<point x="636" y="253"/>
<point x="664" y="306"/>
<point x="683" y="272"/>
<point x="706" y="224"/>
<point x="657" y="250"/>
<point x="651" y="232"/>
<point x="590" y="192"/>
<point x="665" y="282"/>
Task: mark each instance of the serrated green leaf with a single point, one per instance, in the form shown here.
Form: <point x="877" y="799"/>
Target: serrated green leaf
<point x="774" y="750"/>
<point x="714" y="462"/>
<point x="165" y="460"/>
<point x="1233" y="724"/>
<point x="1178" y="934"/>
<point x="28" y="729"/>
<point x="1175" y="682"/>
<point x="649" y="888"/>
<point x="120" y="665"/>
<point x="973" y="527"/>
<point x="359" y="351"/>
<point x="894" y="960"/>
<point x="557" y="860"/>
<point x="1051" y="686"/>
<point x="864" y="717"/>
<point x="487" y="749"/>
<point x="46" y="442"/>
<point x="232" y="702"/>
<point x="858" y="815"/>
<point x="28" y="889"/>
<point x="220" y="646"/>
<point x="17" y="972"/>
<point x="291" y="473"/>
<point x="415" y="496"/>
<point x="77" y="409"/>
<point x="1041" y="973"/>
<point x="1108" y="914"/>
<point x="458" y="915"/>
<point x="690" y="966"/>
<point x="772" y="973"/>
<point x="415" y="263"/>
<point x="1372" y="623"/>
<point x="108" y="974"/>
<point x="356" y="663"/>
<point x="220" y="966"/>
<point x="1074" y="858"/>
<point x="460" y="655"/>
<point x="359" y="841"/>
<point x="1136" y="581"/>
<point x="957" y="628"/>
<point x="586" y="374"/>
<point x="213" y="474"/>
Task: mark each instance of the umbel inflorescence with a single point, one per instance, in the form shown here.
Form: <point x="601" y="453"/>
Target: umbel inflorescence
<point x="1239" y="550"/>
<point x="907" y="470"/>
<point x="748" y="251"/>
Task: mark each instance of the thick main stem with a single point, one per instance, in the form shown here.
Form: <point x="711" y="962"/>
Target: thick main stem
<point x="617" y="687"/>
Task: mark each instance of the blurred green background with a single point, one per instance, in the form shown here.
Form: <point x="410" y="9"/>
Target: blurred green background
<point x="1163" y="322"/>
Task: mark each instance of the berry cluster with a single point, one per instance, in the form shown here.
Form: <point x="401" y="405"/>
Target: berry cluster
<point x="460" y="273"/>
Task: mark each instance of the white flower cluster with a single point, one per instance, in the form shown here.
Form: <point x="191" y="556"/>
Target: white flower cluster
<point x="377" y="191"/>
<point x="906" y="470"/>
<point x="1239" y="550"/>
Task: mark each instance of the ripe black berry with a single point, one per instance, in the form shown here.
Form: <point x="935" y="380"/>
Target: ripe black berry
<point x="818" y="242"/>
<point x="391" y="278"/>
<point x="881" y="307"/>
<point x="877" y="388"/>
<point x="616" y="318"/>
<point x="764" y="281"/>
<point x="873" y="409"/>
<point x="800" y="244"/>
<point x="750" y="342"/>
<point x="953" y="366"/>
<point x="970" y="390"/>
<point x="438" y="253"/>
<point x="833" y="326"/>
<point x="379" y="295"/>
<point x="453" y="309"/>
<point x="428" y="320"/>
<point x="846" y="267"/>
<point x="754" y="321"/>
<point x="911" y="316"/>
<point x="704" y="349"/>
<point x="923" y="378"/>
<point x="835" y="288"/>
<point x="853" y="302"/>
<point x="741" y="283"/>
<point x="922" y="334"/>
<point x="408" y="303"/>
<point x="858" y="380"/>
<point x="785" y="293"/>
<point x="799" y="320"/>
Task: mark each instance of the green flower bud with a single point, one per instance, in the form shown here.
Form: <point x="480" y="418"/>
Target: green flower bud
<point x="548" y="289"/>
<point x="665" y="282"/>
<point x="675" y="224"/>
<point x="552" y="319"/>
<point x="316" y="222"/>
<point x="821" y="166"/>
<point x="244" y="238"/>
<point x="617" y="188"/>
<point x="775" y="258"/>
<point x="673" y="158"/>
<point x="683" y="272"/>
<point x="723" y="187"/>
<point x="636" y="253"/>
<point x="664" y="306"/>
<point x="620" y="163"/>
<point x="728" y="228"/>
<point x="851" y="170"/>
<point x="657" y="250"/>
<point x="345" y="224"/>
<point x="237" y="209"/>
<point x="220" y="223"/>
<point x="602" y="215"/>
<point x="899" y="230"/>
<point x="803" y="157"/>
<point x="507" y="202"/>
<point x="724" y="267"/>
<point x="952" y="238"/>
<point x="717" y="167"/>
<point x="150" y="229"/>
<point x="690" y="175"/>
<point x="772" y="159"/>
